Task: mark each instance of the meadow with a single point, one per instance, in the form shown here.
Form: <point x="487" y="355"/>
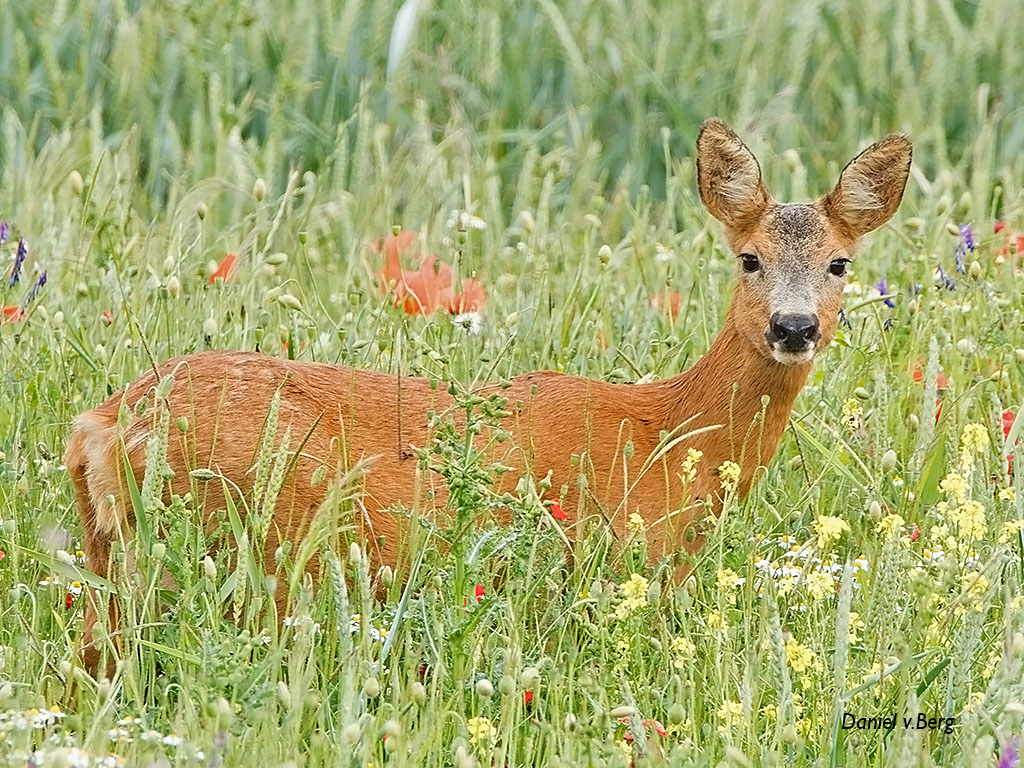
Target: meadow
<point x="182" y="176"/>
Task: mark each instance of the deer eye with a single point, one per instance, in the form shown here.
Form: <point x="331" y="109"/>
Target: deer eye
<point x="838" y="267"/>
<point x="750" y="262"/>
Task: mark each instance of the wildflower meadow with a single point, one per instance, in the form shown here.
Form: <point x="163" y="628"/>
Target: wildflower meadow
<point x="467" y="191"/>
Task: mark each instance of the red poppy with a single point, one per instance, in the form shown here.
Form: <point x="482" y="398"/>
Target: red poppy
<point x="556" y="511"/>
<point x="650" y="724"/>
<point x="12" y="313"/>
<point x="941" y="382"/>
<point x="108" y="317"/>
<point x="1007" y="423"/>
<point x="1020" y="244"/>
<point x="472" y="299"/>
<point x="913" y="532"/>
<point x="478" y="592"/>
<point x="2" y="554"/>
<point x="527" y="697"/>
<point x="666" y="300"/>
<point x="1000" y="226"/>
<point x="225" y="269"/>
<point x="69" y="602"/>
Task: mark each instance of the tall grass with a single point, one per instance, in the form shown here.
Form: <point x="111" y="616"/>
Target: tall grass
<point x="137" y="141"/>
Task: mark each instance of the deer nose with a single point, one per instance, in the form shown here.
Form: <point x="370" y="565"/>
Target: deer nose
<point x="794" y="332"/>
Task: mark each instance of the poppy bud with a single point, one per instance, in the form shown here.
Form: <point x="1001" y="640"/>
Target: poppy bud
<point x="259" y="190"/>
<point x="676" y="713"/>
<point x="507" y="685"/>
<point x="202" y="210"/>
<point x="181" y="423"/>
<point x="484" y="688"/>
<point x="888" y="460"/>
<point x="289" y="302"/>
<point x="277" y="259"/>
<point x="371" y="688"/>
<point x="76" y="183"/>
<point x="159" y="550"/>
<point x="210" y="327"/>
<point x="975" y="269"/>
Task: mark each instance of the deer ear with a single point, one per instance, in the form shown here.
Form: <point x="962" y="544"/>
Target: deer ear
<point x="728" y="176"/>
<point x="870" y="188"/>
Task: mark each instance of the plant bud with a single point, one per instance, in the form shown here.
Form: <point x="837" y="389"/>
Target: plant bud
<point x="159" y="550"/>
<point x="387" y="576"/>
<point x="888" y="460"/>
<point x="283" y="693"/>
<point x="210" y="327"/>
<point x="623" y="711"/>
<point x="76" y="183"/>
<point x="418" y="693"/>
<point x="289" y="302"/>
<point x="277" y="259"/>
<point x="173" y="286"/>
<point x="676" y="713"/>
<point x="371" y="688"/>
<point x="182" y="424"/>
<point x="484" y="689"/>
<point x="861" y="394"/>
<point x="259" y="190"/>
<point x="604" y="255"/>
<point x="507" y="685"/>
<point x="974" y="270"/>
<point x="201" y="211"/>
<point x="58" y="319"/>
<point x="569" y="723"/>
<point x="210" y="568"/>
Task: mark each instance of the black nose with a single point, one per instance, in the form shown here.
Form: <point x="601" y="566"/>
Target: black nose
<point x="794" y="333"/>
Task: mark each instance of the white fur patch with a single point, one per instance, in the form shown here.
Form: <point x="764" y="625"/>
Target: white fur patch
<point x="859" y="193"/>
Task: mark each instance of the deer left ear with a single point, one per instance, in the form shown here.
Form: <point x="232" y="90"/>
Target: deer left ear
<point x="871" y="187"/>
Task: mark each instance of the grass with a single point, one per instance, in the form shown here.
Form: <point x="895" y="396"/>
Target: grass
<point x="133" y="139"/>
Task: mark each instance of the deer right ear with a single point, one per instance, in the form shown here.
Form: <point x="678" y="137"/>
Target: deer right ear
<point x="871" y="187"/>
<point x="728" y="176"/>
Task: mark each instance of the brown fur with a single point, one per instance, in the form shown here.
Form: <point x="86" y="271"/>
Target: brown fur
<point x="357" y="414"/>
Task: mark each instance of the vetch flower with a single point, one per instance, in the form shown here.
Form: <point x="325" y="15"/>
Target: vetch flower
<point x="964" y="245"/>
<point x="19" y="260"/>
<point x="883" y="288"/>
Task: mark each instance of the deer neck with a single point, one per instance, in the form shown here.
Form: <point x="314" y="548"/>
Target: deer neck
<point x="728" y="387"/>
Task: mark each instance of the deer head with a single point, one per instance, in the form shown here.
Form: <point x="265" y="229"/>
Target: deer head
<point x="792" y="257"/>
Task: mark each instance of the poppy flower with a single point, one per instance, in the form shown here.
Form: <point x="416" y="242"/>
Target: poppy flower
<point x="1008" y="419"/>
<point x="650" y="724"/>
<point x="225" y="269"/>
<point x="1020" y="244"/>
<point x="913" y="532"/>
<point x="941" y="382"/>
<point x="12" y="313"/>
<point x="472" y="299"/>
<point x="69" y="602"/>
<point x="527" y="697"/>
<point x="668" y="301"/>
<point x="108" y="317"/>
<point x="478" y="592"/>
<point x="556" y="511"/>
<point x="999" y="226"/>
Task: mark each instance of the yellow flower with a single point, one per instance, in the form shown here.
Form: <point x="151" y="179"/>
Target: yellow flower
<point x="974" y="701"/>
<point x="634" y="595"/>
<point x="682" y="650"/>
<point x="728" y="580"/>
<point x="855" y="627"/>
<point x="890" y="524"/>
<point x="955" y="486"/>
<point x="481" y="730"/>
<point x="800" y="657"/>
<point x="853" y="414"/>
<point x="974" y="438"/>
<point x="716" y="620"/>
<point x="731" y="716"/>
<point x="1008" y="494"/>
<point x="977" y="586"/>
<point x="689" y="466"/>
<point x="635" y="524"/>
<point x="1011" y="531"/>
<point x="829" y="529"/>
<point x="729" y="474"/>
<point x="820" y="584"/>
<point x="970" y="518"/>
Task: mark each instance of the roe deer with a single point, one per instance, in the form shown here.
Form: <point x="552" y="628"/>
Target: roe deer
<point x="791" y="262"/>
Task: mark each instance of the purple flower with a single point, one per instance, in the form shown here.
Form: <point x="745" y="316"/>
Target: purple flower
<point x="4" y="230"/>
<point x="844" y="320"/>
<point x="34" y="292"/>
<point x="19" y="259"/>
<point x="1008" y="759"/>
<point x="943" y="279"/>
<point x="883" y="288"/>
<point x="964" y="245"/>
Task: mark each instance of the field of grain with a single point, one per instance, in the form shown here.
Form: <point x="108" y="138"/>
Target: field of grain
<point x="183" y="176"/>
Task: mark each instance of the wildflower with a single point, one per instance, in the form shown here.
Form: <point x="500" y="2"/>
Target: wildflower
<point x="171" y="740"/>
<point x="820" y="584"/>
<point x="634" y="593"/>
<point x="715" y="620"/>
<point x="667" y="301"/>
<point x="1008" y="757"/>
<point x="635" y="524"/>
<point x="970" y="519"/>
<point x="41" y="719"/>
<point x="855" y="627"/>
<point x="472" y="300"/>
<point x="829" y="529"/>
<point x="883" y="288"/>
<point x="107" y="317"/>
<point x="682" y="650"/>
<point x="662" y="254"/>
<point x="470" y="322"/>
<point x="913" y="533"/>
<point x="853" y="414"/>
<point x="999" y="226"/>
<point x="36" y="287"/>
<point x="19" y="260"/>
<point x="225" y="269"/>
<point x="650" y="724"/>
<point x="843" y="319"/>
<point x="481" y="730"/>
<point x="974" y="438"/>
<point x="4" y="231"/>
<point x="943" y="280"/>
<point x="12" y="313"/>
<point x="728" y="580"/>
<point x="964" y="245"/>
<point x="1008" y="494"/>
<point x="890" y="524"/>
<point x="799" y="657"/>
<point x="730" y="715"/>
<point x="955" y="486"/>
<point x="556" y="511"/>
<point x="689" y="465"/>
<point x="729" y="474"/>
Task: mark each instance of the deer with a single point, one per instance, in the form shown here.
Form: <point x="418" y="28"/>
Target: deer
<point x="733" y="403"/>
